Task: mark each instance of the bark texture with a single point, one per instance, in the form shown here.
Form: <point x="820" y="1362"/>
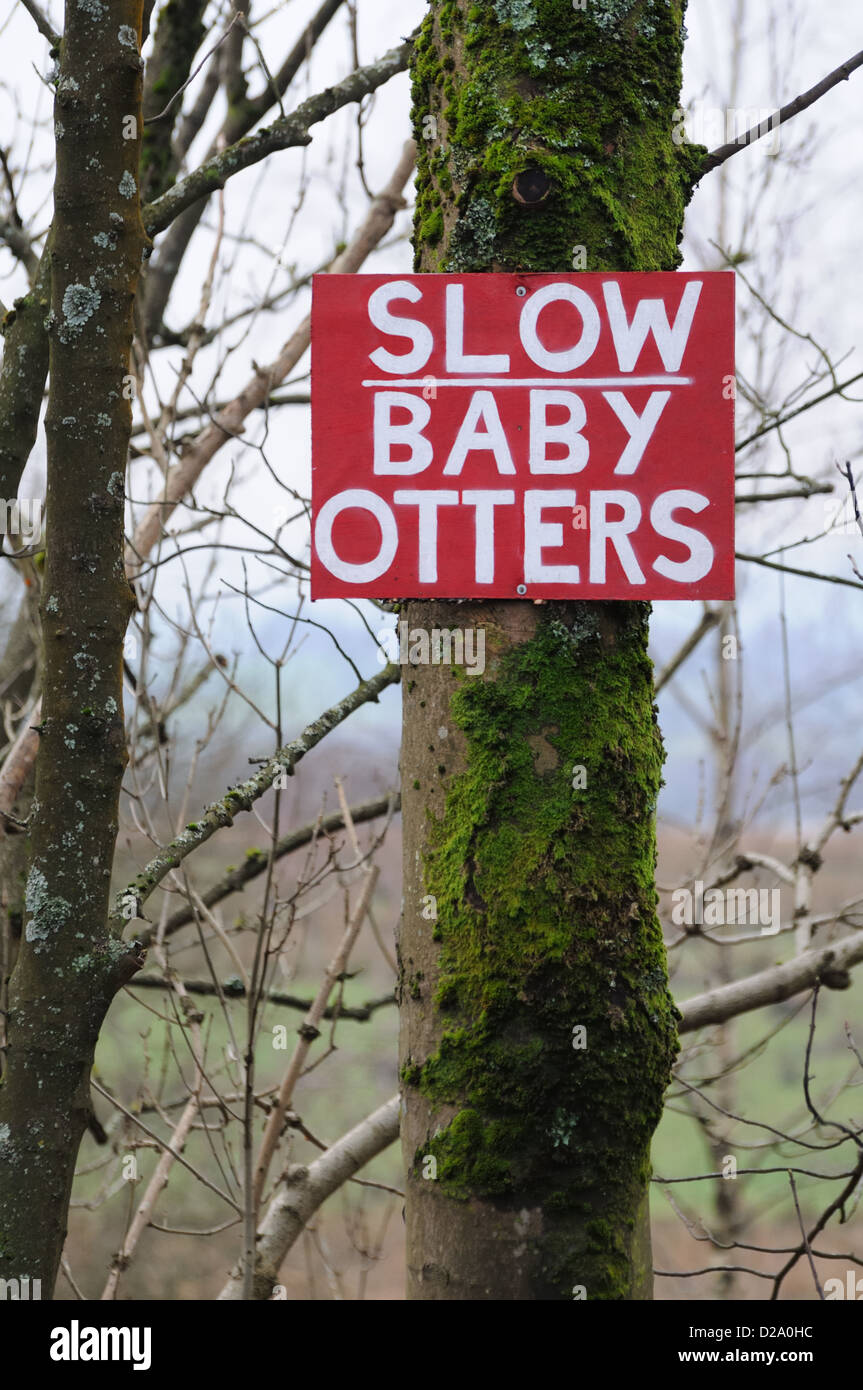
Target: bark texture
<point x="530" y="906"/>
<point x="69" y="965"/>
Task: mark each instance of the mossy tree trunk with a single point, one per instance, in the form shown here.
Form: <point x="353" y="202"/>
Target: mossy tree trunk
<point x="529" y="900"/>
<point x="69" y="965"/>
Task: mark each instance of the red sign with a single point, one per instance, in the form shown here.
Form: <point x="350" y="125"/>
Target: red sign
<point x="535" y="436"/>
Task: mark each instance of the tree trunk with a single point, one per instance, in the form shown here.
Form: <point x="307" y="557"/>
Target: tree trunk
<point x="529" y="899"/>
<point x="69" y="965"/>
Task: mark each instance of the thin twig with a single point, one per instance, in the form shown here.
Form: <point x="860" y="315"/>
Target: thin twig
<point x="792" y="108"/>
<point x="308" y="1033"/>
<point x="160" y="115"/>
<point x="804" y="574"/>
<point x="807" y="1247"/>
<point x="165" y="1147"/>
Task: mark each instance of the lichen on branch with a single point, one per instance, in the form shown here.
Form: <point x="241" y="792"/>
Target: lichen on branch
<point x="242" y="797"/>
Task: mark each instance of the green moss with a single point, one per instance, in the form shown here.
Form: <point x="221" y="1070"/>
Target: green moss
<point x="468" y="1156"/>
<point x="411" y="1074"/>
<point x="588" y="97"/>
<point x="547" y="920"/>
<point x="432" y="229"/>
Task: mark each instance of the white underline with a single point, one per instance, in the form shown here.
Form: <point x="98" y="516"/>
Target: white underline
<point x="583" y="381"/>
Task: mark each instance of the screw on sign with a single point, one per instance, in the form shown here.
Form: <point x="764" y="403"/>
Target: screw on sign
<point x="535" y="436"/>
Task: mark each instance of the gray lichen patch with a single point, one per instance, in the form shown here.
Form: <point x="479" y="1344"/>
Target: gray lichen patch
<point x="127" y="36"/>
<point x="94" y="8"/>
<point x="609" y="14"/>
<point x="474" y="236"/>
<point x="80" y="303"/>
<point x="521" y="14"/>
<point x="46" y="914"/>
<point x="127" y="185"/>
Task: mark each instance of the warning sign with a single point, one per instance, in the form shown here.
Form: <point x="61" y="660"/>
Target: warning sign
<point x="523" y="436"/>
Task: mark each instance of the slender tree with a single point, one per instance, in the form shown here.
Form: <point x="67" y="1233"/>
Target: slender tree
<point x="545" y="135"/>
<point x="70" y="965"/>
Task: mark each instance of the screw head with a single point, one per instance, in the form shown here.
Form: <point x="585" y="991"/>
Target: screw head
<point x="521" y="291"/>
<point x="521" y="589"/>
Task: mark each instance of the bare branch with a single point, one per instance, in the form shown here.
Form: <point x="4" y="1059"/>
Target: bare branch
<point x="16" y="768"/>
<point x="837" y="1205"/>
<point x="165" y="111"/>
<point x="305" y="1190"/>
<point x="784" y="495"/>
<point x="829" y="965"/>
<point x="253" y="109"/>
<point x="235" y="989"/>
<point x="179" y="33"/>
<point x="799" y="410"/>
<point x="228" y="423"/>
<point x="243" y="115"/>
<point x="804" y="574"/>
<point x="241" y="798"/>
<point x="166" y="1148"/>
<point x="708" y="622"/>
<point x="21" y="246"/>
<point x="22" y="378"/>
<point x="792" y="108"/>
<point x="285" y="133"/>
<point x="848" y="475"/>
<point x="43" y="24"/>
<point x="806" y="1244"/>
<point x="256" y="864"/>
<point x="308" y="1032"/>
